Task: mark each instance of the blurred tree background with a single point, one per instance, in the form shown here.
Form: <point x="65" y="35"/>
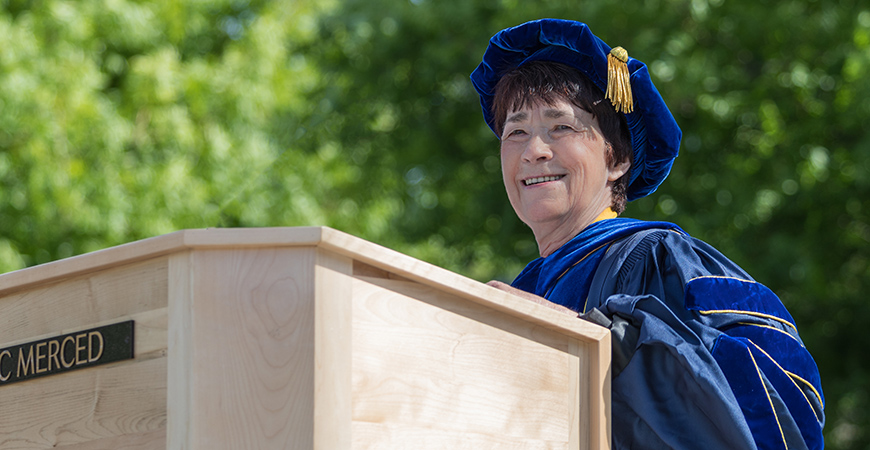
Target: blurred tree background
<point x="126" y="119"/>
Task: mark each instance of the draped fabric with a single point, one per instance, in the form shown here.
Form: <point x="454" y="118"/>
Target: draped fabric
<point x="703" y="355"/>
<point x="569" y="269"/>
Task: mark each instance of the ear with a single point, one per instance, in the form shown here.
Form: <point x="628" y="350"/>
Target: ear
<point x="618" y="170"/>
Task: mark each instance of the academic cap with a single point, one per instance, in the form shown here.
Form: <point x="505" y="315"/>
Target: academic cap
<point x="655" y="136"/>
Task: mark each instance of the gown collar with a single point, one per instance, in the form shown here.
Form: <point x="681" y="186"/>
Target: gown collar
<point x="541" y="275"/>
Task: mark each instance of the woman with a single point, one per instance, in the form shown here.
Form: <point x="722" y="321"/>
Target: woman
<point x="703" y="356"/>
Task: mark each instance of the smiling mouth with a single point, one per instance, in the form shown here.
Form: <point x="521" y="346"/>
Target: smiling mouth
<point x="539" y="180"/>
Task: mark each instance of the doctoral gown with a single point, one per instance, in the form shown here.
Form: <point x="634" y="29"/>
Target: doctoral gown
<point x="703" y="355"/>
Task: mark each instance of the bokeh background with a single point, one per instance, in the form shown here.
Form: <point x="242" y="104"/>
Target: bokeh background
<point x="125" y="119"/>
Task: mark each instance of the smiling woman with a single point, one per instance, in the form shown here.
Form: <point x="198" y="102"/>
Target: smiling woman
<point x="556" y="171"/>
<point x="703" y="356"/>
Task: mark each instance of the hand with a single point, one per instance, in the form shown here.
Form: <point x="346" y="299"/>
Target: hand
<point x="531" y="297"/>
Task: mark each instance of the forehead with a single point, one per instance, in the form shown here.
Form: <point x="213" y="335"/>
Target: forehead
<point x="548" y="110"/>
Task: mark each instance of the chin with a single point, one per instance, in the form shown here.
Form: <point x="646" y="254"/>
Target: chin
<point x="543" y="211"/>
<point x="537" y="219"/>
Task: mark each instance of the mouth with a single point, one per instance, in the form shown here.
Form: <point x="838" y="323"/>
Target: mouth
<point x="538" y="180"/>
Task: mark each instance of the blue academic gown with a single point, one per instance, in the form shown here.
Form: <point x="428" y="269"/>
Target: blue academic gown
<point x="703" y="356"/>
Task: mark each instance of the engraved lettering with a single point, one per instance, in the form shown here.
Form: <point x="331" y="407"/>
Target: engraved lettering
<point x="6" y="376"/>
<point x="40" y="356"/>
<point x="53" y="349"/>
<point x="58" y="354"/>
<point x="91" y="336"/>
<point x="63" y="352"/>
<point x="25" y="363"/>
<point x="81" y="346"/>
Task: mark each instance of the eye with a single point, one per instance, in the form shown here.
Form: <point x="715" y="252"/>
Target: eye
<point x="516" y="132"/>
<point x="563" y="128"/>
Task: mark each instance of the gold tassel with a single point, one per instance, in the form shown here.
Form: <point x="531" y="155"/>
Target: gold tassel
<point x="618" y="84"/>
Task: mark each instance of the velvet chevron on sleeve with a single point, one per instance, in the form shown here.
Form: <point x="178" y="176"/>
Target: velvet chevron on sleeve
<point x="704" y="356"/>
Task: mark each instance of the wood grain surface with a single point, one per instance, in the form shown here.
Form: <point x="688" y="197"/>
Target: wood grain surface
<point x="298" y="338"/>
<point x="426" y="363"/>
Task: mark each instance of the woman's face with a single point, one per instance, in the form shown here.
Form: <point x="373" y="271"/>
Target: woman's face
<point x="554" y="166"/>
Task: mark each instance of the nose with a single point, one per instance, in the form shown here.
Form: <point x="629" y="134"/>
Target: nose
<point x="537" y="149"/>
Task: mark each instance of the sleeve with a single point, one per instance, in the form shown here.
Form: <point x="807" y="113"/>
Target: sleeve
<point x="702" y="353"/>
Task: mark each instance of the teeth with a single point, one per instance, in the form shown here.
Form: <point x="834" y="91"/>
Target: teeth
<point x="537" y="180"/>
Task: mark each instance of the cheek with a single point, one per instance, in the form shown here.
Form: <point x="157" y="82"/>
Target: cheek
<point x="508" y="176"/>
<point x="507" y="167"/>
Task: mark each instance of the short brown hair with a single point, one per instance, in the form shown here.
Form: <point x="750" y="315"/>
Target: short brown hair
<point x="548" y="82"/>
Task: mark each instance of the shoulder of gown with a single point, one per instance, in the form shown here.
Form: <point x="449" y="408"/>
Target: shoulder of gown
<point x="702" y="349"/>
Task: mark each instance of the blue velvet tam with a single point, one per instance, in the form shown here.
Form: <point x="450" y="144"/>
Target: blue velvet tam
<point x="655" y="136"/>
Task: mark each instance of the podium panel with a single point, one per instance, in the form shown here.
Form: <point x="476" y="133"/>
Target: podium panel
<point x="288" y="338"/>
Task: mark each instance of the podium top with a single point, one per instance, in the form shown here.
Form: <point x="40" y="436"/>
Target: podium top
<point x="324" y="238"/>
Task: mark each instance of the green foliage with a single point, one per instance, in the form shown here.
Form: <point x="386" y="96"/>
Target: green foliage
<point x="122" y="119"/>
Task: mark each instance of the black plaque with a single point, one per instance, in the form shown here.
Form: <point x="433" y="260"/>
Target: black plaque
<point x="71" y="351"/>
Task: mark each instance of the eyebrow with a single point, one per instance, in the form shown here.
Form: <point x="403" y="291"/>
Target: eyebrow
<point x="550" y="114"/>
<point x="516" y="117"/>
<point x="554" y="113"/>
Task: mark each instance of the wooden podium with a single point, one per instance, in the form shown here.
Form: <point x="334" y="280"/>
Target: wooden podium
<point x="288" y="338"/>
